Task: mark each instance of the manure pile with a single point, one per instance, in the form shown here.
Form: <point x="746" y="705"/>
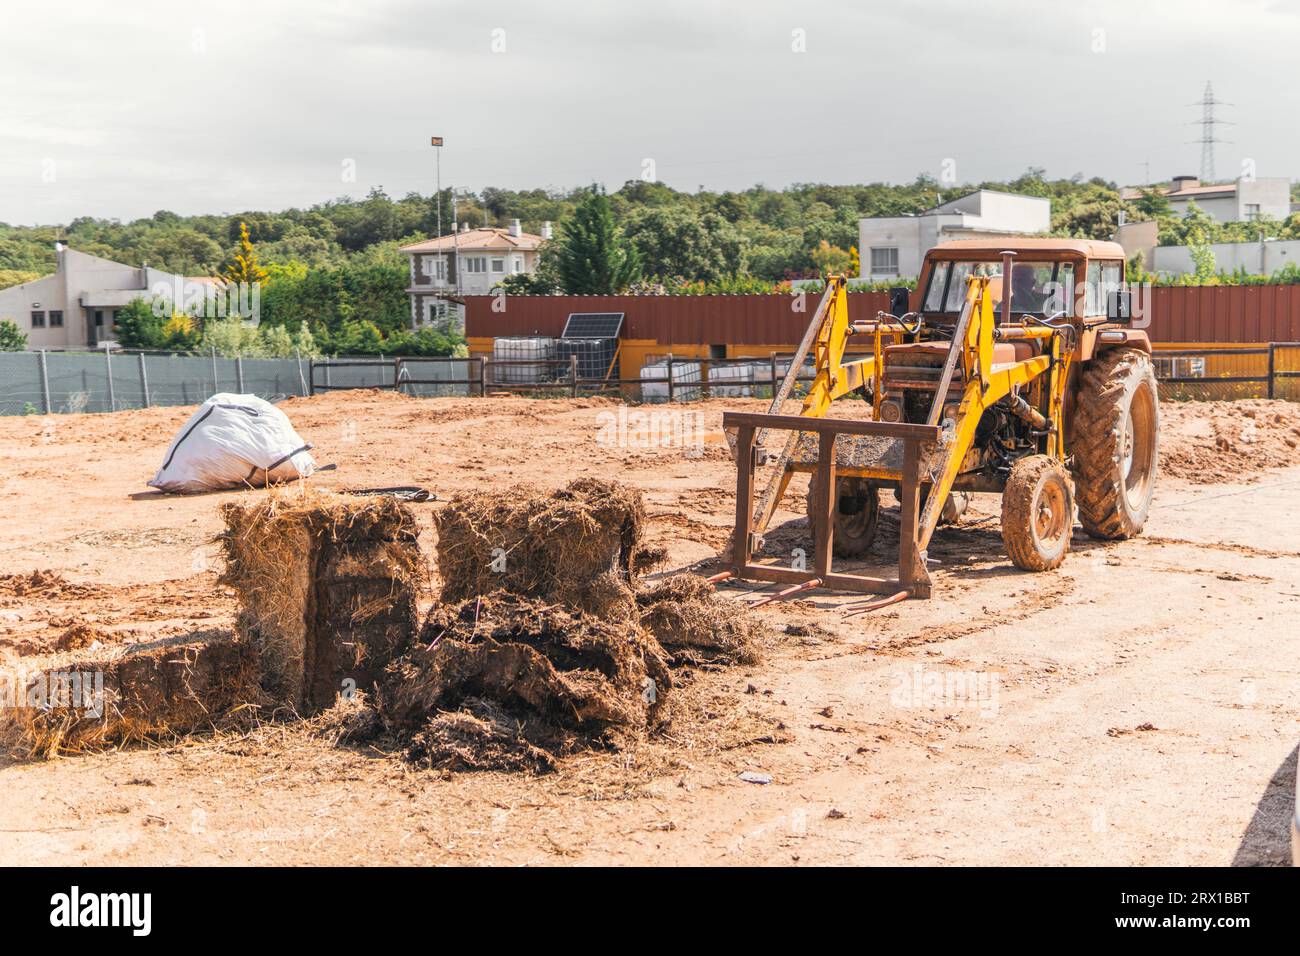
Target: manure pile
<point x="544" y="642"/>
<point x="541" y="643"/>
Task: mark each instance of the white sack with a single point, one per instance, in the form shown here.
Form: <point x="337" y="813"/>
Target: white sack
<point x="233" y="441"/>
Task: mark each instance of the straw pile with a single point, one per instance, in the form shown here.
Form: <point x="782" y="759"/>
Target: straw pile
<point x="696" y="626"/>
<point x="531" y="681"/>
<point x="327" y="587"/>
<point x="127" y="695"/>
<point x="575" y="546"/>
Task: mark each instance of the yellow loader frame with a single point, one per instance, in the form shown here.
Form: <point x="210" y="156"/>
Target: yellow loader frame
<point x="932" y="454"/>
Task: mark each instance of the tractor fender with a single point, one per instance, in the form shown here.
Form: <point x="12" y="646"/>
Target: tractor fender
<point x="1103" y="339"/>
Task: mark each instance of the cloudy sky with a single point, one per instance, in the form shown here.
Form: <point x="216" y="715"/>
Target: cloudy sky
<point x="120" y="109"/>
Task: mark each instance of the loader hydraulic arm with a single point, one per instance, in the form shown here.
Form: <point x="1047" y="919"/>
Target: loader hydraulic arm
<point x="986" y="384"/>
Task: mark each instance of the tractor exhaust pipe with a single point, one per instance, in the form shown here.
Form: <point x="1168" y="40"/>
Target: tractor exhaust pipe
<point x="1007" y="256"/>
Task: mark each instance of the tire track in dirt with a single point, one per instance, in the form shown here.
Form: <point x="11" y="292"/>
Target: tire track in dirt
<point x="1228" y="546"/>
<point x="1029" y="605"/>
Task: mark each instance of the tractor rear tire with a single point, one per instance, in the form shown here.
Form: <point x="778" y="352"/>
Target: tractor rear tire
<point x="1114" y="434"/>
<point x="1037" y="513"/>
<point x="855" y="529"/>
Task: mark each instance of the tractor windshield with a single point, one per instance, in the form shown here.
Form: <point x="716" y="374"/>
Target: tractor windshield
<point x="1040" y="288"/>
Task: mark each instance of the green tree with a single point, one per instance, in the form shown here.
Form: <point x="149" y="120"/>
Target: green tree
<point x="832" y="260"/>
<point x="1153" y="204"/>
<point x="677" y="241"/>
<point x="591" y="257"/>
<point x="137" y="327"/>
<point x="231" y="338"/>
<point x="12" y="338"/>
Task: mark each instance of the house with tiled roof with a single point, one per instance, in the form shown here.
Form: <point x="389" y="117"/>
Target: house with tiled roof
<point x="468" y="262"/>
<point x="1247" y="198"/>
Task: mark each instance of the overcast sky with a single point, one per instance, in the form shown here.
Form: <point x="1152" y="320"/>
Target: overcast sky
<point x="120" y="109"/>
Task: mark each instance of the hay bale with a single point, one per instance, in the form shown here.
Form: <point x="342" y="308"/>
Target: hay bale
<point x="555" y="679"/>
<point x="689" y="619"/>
<point x="575" y="546"/>
<point x="146" y="691"/>
<point x="327" y="587"/>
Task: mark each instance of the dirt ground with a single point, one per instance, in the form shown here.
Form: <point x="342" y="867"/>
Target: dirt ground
<point x="1139" y="706"/>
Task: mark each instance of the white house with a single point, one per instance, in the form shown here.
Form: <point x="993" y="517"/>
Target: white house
<point x="1241" y="201"/>
<point x="894" y="246"/>
<point x="469" y="262"/>
<point x="76" y="306"/>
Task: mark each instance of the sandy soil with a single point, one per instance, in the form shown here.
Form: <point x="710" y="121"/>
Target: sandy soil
<point x="1138" y="706"/>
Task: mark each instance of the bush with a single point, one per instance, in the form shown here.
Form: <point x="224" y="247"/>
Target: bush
<point x="232" y="338"/>
<point x="138" y="328"/>
<point x="12" y="338"/>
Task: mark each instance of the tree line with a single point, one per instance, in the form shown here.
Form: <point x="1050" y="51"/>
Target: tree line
<point x="335" y="269"/>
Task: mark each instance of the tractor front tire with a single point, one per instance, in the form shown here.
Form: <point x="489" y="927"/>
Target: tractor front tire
<point x="855" y="528"/>
<point x="1115" y="433"/>
<point x="1037" y="513"/>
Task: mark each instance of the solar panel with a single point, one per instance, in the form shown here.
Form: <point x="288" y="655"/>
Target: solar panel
<point x="593" y="325"/>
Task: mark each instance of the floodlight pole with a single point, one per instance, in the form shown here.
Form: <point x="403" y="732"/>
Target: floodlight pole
<point x="436" y="142"/>
<point x="437" y="145"/>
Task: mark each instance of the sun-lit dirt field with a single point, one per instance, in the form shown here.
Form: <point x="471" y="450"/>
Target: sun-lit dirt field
<point x="1141" y="705"/>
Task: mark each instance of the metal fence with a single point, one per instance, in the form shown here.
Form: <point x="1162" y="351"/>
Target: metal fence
<point x="105" y="381"/>
<point x="1230" y="372"/>
<point x="664" y="379"/>
<point x="420" y="377"/>
<point x="54" y="382"/>
<point x="1268" y="371"/>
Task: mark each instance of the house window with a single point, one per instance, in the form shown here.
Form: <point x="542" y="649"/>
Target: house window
<point x="476" y="264"/>
<point x="56" y="319"/>
<point x="435" y="267"/>
<point x="38" y="320"/>
<point x="517" y="264"/>
<point x="1252" y="210"/>
<point x="499" y="265"/>
<point x="884" y="262"/>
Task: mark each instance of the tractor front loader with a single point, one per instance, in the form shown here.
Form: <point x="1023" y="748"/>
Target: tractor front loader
<point x="1011" y="379"/>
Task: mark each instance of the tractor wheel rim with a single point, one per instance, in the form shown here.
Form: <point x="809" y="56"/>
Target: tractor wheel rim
<point x="1049" y="514"/>
<point x="1137" y="449"/>
<point x="1126" y="449"/>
